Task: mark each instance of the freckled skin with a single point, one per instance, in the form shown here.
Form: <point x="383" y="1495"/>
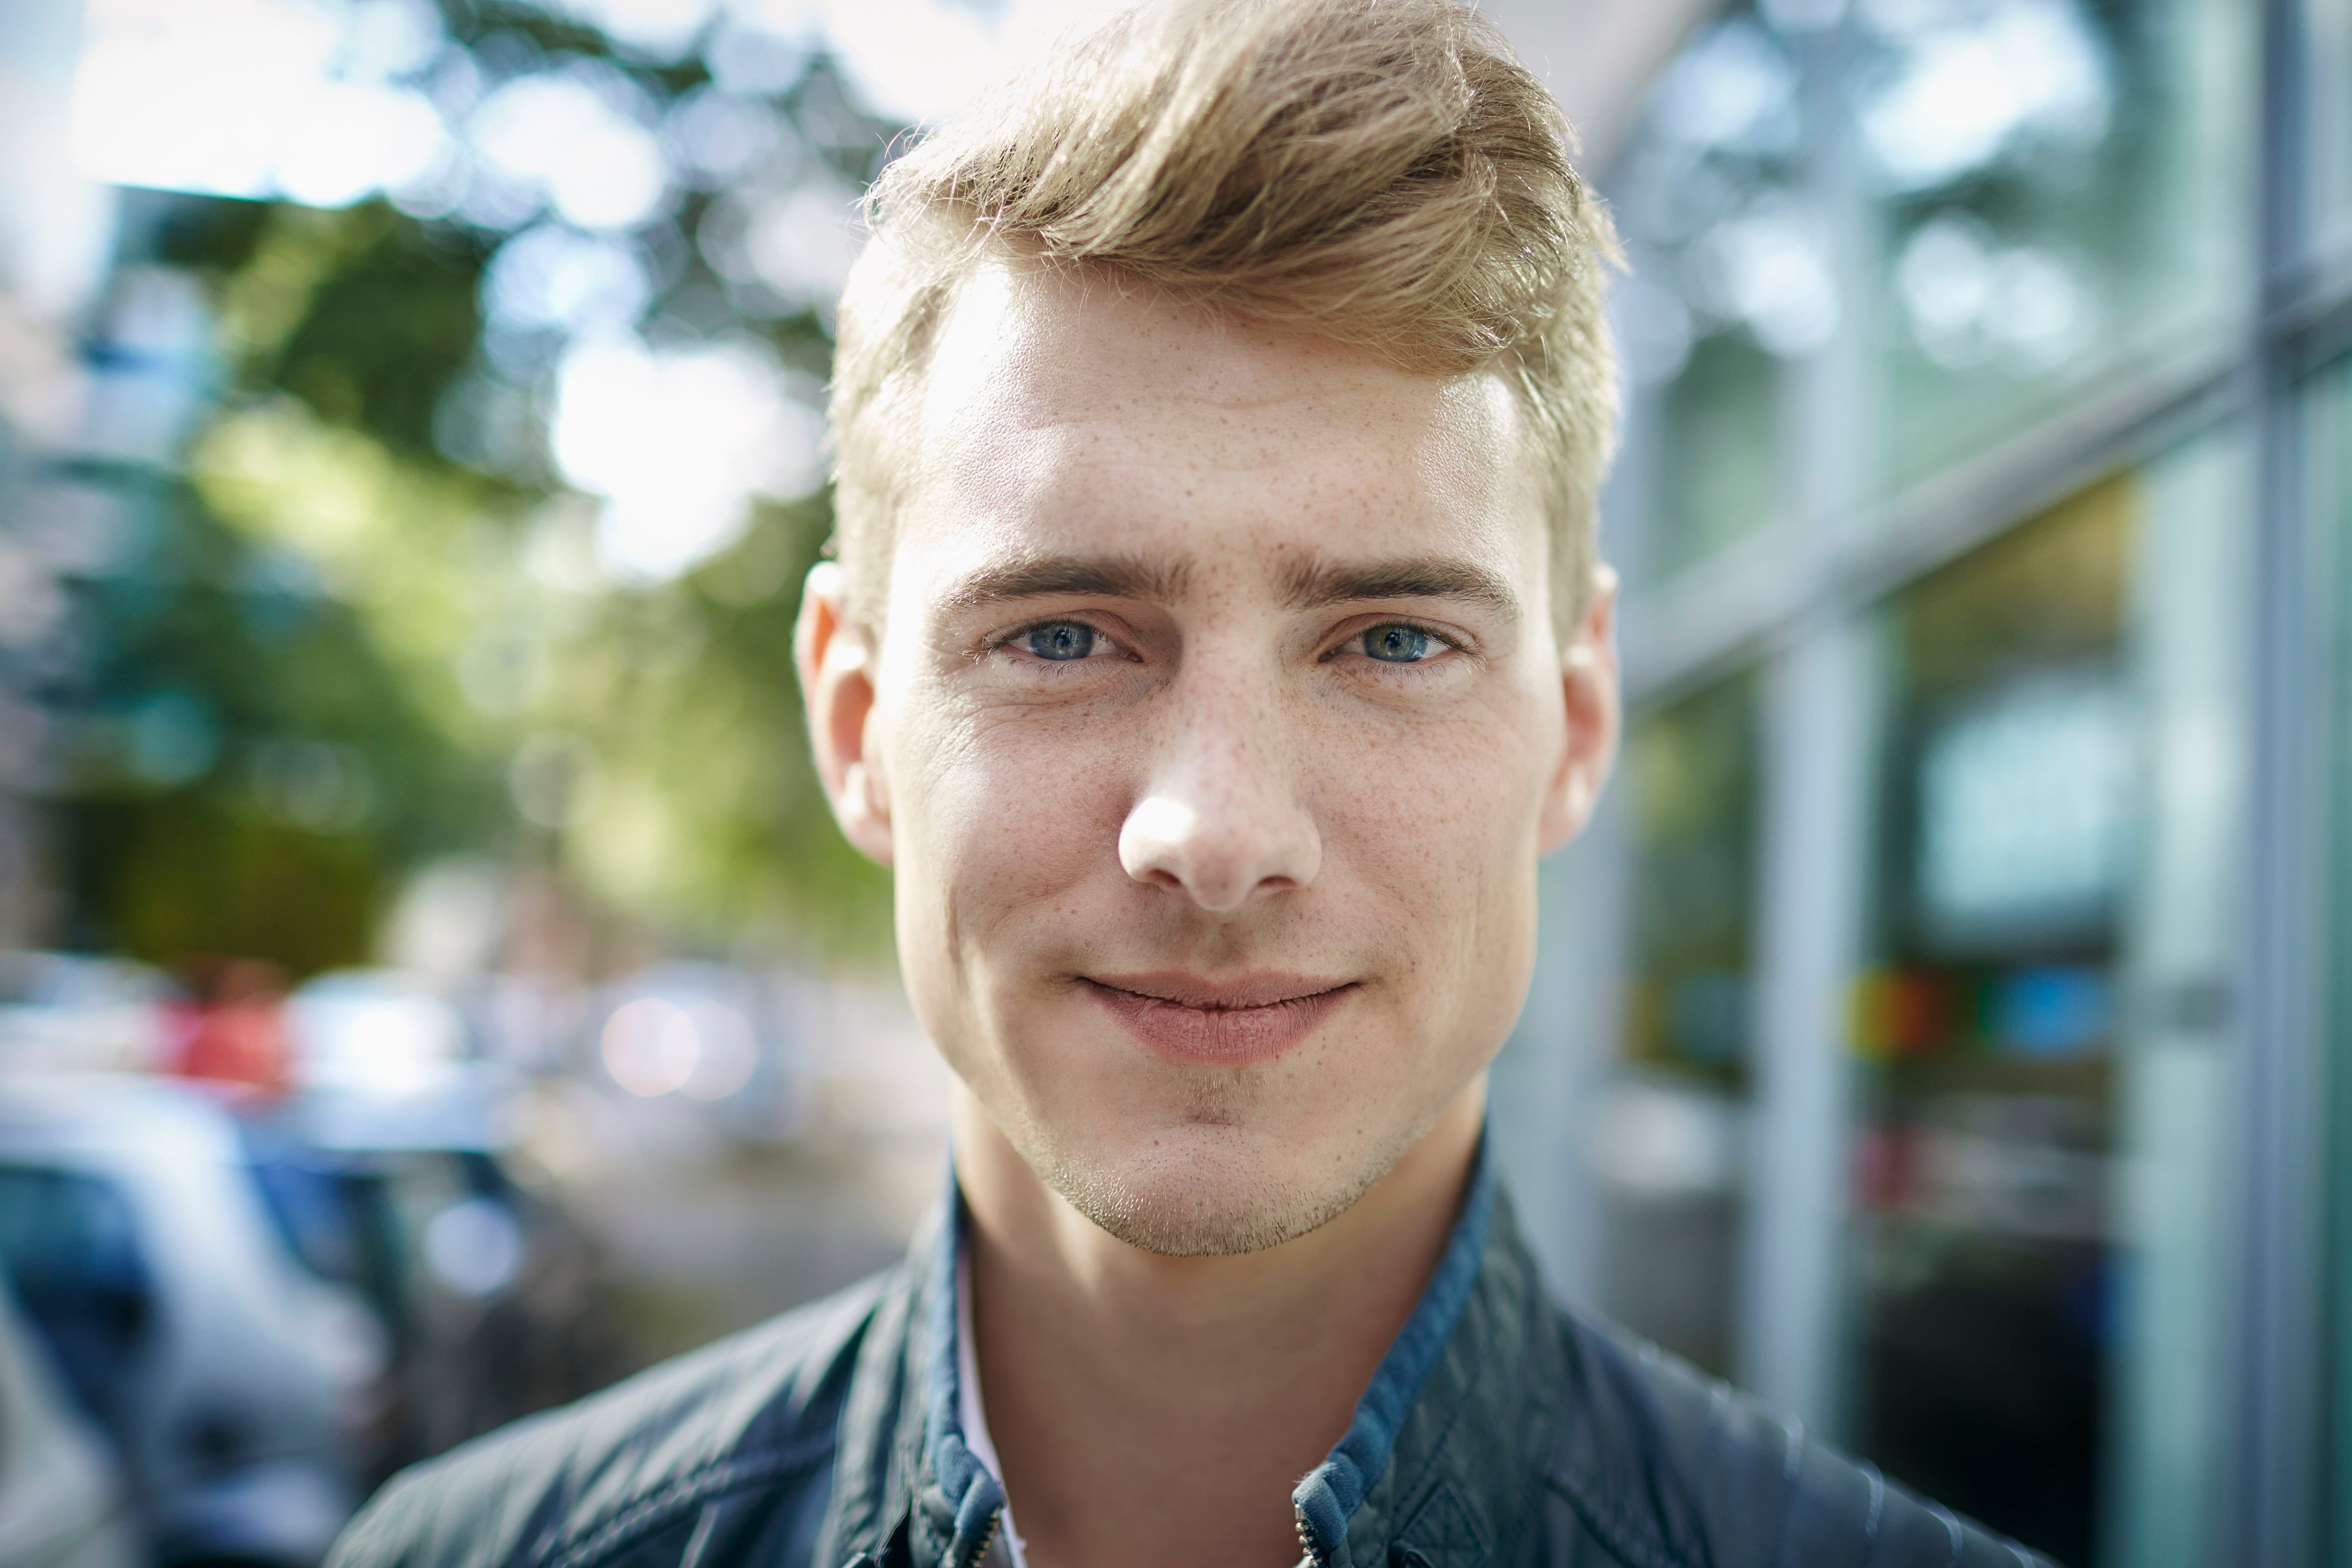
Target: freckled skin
<point x="1229" y="783"/>
<point x="1183" y="1266"/>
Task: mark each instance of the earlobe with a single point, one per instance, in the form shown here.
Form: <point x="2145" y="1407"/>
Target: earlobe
<point x="863" y="791"/>
<point x="835" y="658"/>
<point x="1592" y="701"/>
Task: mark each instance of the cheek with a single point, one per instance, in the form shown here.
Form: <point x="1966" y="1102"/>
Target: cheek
<point x="1441" y="828"/>
<point x="997" y="816"/>
<point x="1437" y="809"/>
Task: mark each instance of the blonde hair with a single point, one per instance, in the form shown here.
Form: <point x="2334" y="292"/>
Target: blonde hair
<point x="1381" y="173"/>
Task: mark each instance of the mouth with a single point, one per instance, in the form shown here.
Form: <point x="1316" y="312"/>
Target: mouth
<point x="1233" y="1022"/>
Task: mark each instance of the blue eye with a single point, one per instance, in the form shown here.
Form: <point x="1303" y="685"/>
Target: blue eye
<point x="1060" y="640"/>
<point x="1397" y="644"/>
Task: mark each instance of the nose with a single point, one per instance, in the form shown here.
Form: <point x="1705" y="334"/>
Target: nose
<point x="1220" y="819"/>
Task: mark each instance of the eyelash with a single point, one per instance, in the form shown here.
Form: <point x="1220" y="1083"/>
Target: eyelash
<point x="1012" y="641"/>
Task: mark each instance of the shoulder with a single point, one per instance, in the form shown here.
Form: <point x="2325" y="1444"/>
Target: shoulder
<point x="573" y="1487"/>
<point x="1665" y="1468"/>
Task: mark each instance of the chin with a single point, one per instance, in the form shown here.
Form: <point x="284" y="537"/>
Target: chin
<point x="1201" y="1188"/>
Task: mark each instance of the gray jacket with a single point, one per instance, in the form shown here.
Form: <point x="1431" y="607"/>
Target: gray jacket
<point x="1498" y="1430"/>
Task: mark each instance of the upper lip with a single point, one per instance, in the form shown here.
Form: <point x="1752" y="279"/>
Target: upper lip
<point x="1263" y="988"/>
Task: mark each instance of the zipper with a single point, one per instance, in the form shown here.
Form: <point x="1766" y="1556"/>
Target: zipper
<point x="1306" y="1537"/>
<point x="988" y="1536"/>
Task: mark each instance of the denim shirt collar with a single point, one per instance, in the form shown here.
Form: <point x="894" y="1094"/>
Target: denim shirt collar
<point x="1330" y="1496"/>
<point x="976" y="1494"/>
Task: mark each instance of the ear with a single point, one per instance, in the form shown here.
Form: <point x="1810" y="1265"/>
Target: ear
<point x="836" y="658"/>
<point x="1595" y="711"/>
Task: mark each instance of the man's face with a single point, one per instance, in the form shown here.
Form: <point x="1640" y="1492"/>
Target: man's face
<point x="1214" y="734"/>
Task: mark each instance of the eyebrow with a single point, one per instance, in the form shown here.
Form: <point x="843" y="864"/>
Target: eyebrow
<point x="1110" y="576"/>
<point x="1314" y="585"/>
<point x="1306" y="585"/>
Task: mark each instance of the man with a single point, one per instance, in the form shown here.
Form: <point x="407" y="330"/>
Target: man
<point x="1214" y="645"/>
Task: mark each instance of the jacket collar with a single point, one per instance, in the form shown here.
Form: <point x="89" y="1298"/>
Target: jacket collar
<point x="1428" y="1470"/>
<point x="1333" y="1491"/>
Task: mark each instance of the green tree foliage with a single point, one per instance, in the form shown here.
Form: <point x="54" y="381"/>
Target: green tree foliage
<point x="248" y="773"/>
<point x="364" y="315"/>
<point x="386" y="653"/>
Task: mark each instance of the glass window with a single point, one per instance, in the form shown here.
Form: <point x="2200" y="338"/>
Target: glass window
<point x="2063" y="198"/>
<point x="2331" y="121"/>
<point x="1718" y="449"/>
<point x="1669" y="1137"/>
<point x="69" y="1248"/>
<point x="2033" y="1255"/>
<point x="334" y="1214"/>
<point x="1989" y="1029"/>
<point x="2042" y="199"/>
<point x="1726" y="278"/>
<point x="2328" y="439"/>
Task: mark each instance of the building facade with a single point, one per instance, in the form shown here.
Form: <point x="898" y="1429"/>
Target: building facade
<point x="1938" y="1033"/>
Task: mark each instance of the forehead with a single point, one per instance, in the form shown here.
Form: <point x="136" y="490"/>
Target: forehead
<point x="1074" y="413"/>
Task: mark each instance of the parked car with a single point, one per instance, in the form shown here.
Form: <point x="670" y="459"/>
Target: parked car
<point x="69" y="1012"/>
<point x="493" y="1297"/>
<point x="397" y="1119"/>
<point x="62" y="1500"/>
<point x="241" y="1389"/>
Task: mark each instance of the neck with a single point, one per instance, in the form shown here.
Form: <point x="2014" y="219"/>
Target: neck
<point x="1152" y="1411"/>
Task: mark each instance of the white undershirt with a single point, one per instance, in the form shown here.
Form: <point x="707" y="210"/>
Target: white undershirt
<point x="969" y="1412"/>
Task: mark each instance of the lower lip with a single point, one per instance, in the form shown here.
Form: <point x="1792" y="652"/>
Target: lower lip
<point x="1219" y="1037"/>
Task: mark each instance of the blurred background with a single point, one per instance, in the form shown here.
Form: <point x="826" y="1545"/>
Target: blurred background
<point x="430" y="985"/>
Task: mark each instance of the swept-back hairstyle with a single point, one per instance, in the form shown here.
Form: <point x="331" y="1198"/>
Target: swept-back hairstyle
<point x="1382" y="174"/>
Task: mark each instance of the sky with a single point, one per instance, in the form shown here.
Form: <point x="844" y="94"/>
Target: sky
<point x="317" y="100"/>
